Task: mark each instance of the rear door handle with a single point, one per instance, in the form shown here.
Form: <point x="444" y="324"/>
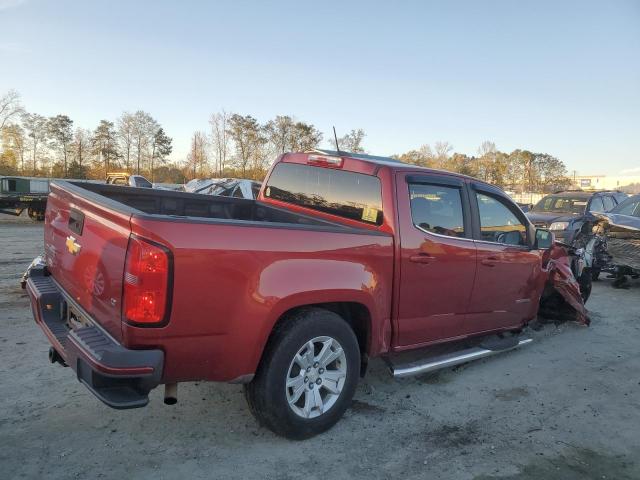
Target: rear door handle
<point x="490" y="261"/>
<point x="422" y="258"/>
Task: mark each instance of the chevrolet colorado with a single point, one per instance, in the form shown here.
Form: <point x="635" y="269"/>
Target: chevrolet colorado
<point x="341" y="258"/>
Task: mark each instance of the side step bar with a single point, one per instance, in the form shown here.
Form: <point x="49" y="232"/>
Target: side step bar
<point x="432" y="364"/>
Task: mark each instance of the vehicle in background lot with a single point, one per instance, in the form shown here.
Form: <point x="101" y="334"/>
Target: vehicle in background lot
<point x="20" y="193"/>
<point x="615" y="244"/>
<point x="568" y="214"/>
<point x="224" y="187"/>
<point x="342" y="257"/>
<point x="123" y="178"/>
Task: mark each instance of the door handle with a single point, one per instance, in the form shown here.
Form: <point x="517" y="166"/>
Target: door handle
<point x="490" y="261"/>
<point x="422" y="258"/>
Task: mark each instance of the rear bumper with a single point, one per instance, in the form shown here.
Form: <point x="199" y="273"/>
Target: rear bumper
<point x="120" y="377"/>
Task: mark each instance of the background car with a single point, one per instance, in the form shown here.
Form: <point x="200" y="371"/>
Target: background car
<point x="566" y="213"/>
<point x="224" y="187"/>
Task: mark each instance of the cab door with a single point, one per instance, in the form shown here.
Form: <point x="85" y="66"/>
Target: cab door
<point x="506" y="291"/>
<point x="437" y="258"/>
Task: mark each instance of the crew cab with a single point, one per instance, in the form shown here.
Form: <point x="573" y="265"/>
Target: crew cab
<point x="341" y="258"/>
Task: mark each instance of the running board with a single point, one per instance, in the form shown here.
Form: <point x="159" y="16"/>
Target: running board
<point x="432" y="364"/>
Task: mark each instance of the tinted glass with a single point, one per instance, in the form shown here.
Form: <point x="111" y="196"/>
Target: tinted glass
<point x="437" y="209"/>
<point x="609" y="203"/>
<point x="498" y="223"/>
<point x="596" y="205"/>
<point x="142" y="182"/>
<point x="561" y="204"/>
<point x="350" y="195"/>
<point x="628" y="208"/>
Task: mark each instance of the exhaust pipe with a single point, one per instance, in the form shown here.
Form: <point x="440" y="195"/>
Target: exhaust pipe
<point x="55" y="357"/>
<point x="171" y="393"/>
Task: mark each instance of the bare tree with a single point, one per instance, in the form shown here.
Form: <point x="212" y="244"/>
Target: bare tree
<point x="125" y="137"/>
<point x="248" y="138"/>
<point x="61" y="133"/>
<point x="36" y="128"/>
<point x="144" y="128"/>
<point x="352" y="141"/>
<point x="81" y="145"/>
<point x="197" y="156"/>
<point x="13" y="137"/>
<point x="220" y="140"/>
<point x="280" y="132"/>
<point x="10" y="107"/>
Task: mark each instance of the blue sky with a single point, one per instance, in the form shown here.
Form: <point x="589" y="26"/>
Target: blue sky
<point x="549" y="76"/>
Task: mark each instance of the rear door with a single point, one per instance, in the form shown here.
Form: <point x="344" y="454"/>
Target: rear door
<point x="437" y="257"/>
<point x="506" y="287"/>
<point x="85" y="247"/>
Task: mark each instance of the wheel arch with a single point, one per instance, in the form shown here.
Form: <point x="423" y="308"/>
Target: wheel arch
<point x="356" y="314"/>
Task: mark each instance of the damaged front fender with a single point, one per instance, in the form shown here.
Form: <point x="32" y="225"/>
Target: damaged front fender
<point x="564" y="295"/>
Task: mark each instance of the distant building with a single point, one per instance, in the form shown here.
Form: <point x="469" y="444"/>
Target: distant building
<point x="604" y="182"/>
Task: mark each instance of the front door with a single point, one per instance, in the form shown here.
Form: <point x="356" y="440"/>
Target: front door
<point x="507" y="279"/>
<point x="437" y="258"/>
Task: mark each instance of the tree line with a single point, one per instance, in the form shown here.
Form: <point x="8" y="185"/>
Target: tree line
<point x="239" y="145"/>
<point x="35" y="145"/>
<point x="518" y="171"/>
<point x="233" y="145"/>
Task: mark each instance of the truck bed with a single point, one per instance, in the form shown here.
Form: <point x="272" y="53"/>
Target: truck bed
<point x="144" y="202"/>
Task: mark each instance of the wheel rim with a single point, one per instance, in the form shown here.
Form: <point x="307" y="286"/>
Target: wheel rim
<point x="316" y="377"/>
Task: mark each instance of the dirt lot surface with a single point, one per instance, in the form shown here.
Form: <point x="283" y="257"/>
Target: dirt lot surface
<point x="565" y="407"/>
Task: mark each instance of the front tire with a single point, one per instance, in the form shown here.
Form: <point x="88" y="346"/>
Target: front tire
<point x="307" y="376"/>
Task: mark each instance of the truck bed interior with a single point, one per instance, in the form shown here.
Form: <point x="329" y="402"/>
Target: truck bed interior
<point x="183" y="204"/>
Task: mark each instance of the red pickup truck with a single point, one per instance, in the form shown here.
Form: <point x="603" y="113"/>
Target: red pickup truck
<point x="342" y="257"/>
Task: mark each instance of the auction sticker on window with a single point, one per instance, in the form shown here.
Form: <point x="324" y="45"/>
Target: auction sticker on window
<point x="370" y="214"/>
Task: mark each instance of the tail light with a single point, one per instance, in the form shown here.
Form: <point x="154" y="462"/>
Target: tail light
<point x="147" y="283"/>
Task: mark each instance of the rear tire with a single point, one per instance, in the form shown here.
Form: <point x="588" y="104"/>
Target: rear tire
<point x="300" y="391"/>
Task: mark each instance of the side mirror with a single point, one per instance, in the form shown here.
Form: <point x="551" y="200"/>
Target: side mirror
<point x="544" y="239"/>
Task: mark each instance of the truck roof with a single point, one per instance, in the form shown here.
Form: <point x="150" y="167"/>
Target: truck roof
<point x="391" y="162"/>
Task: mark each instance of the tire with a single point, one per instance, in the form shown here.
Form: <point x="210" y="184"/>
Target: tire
<point x="595" y="274"/>
<point x="287" y="369"/>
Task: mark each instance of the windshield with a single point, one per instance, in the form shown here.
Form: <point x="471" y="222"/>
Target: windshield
<point x="558" y="204"/>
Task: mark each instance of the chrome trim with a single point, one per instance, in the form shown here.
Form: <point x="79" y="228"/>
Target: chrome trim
<point x="449" y="360"/>
<point x="442" y="236"/>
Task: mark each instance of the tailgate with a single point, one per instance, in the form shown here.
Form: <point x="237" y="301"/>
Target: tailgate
<point x="85" y="243"/>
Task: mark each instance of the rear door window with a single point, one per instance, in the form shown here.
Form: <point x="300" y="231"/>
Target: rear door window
<point x="609" y="203"/>
<point x="498" y="223"/>
<point x="437" y="209"/>
<point x="351" y="195"/>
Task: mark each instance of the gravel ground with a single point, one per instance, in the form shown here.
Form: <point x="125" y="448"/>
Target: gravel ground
<point x="565" y="407"/>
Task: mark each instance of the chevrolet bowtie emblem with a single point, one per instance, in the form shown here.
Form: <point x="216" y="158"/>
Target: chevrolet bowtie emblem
<point x="73" y="246"/>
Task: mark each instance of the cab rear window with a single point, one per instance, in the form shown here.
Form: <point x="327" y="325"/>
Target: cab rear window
<point x="351" y="195"/>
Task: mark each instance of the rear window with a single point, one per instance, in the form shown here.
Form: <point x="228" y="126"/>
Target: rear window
<point x="347" y="194"/>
